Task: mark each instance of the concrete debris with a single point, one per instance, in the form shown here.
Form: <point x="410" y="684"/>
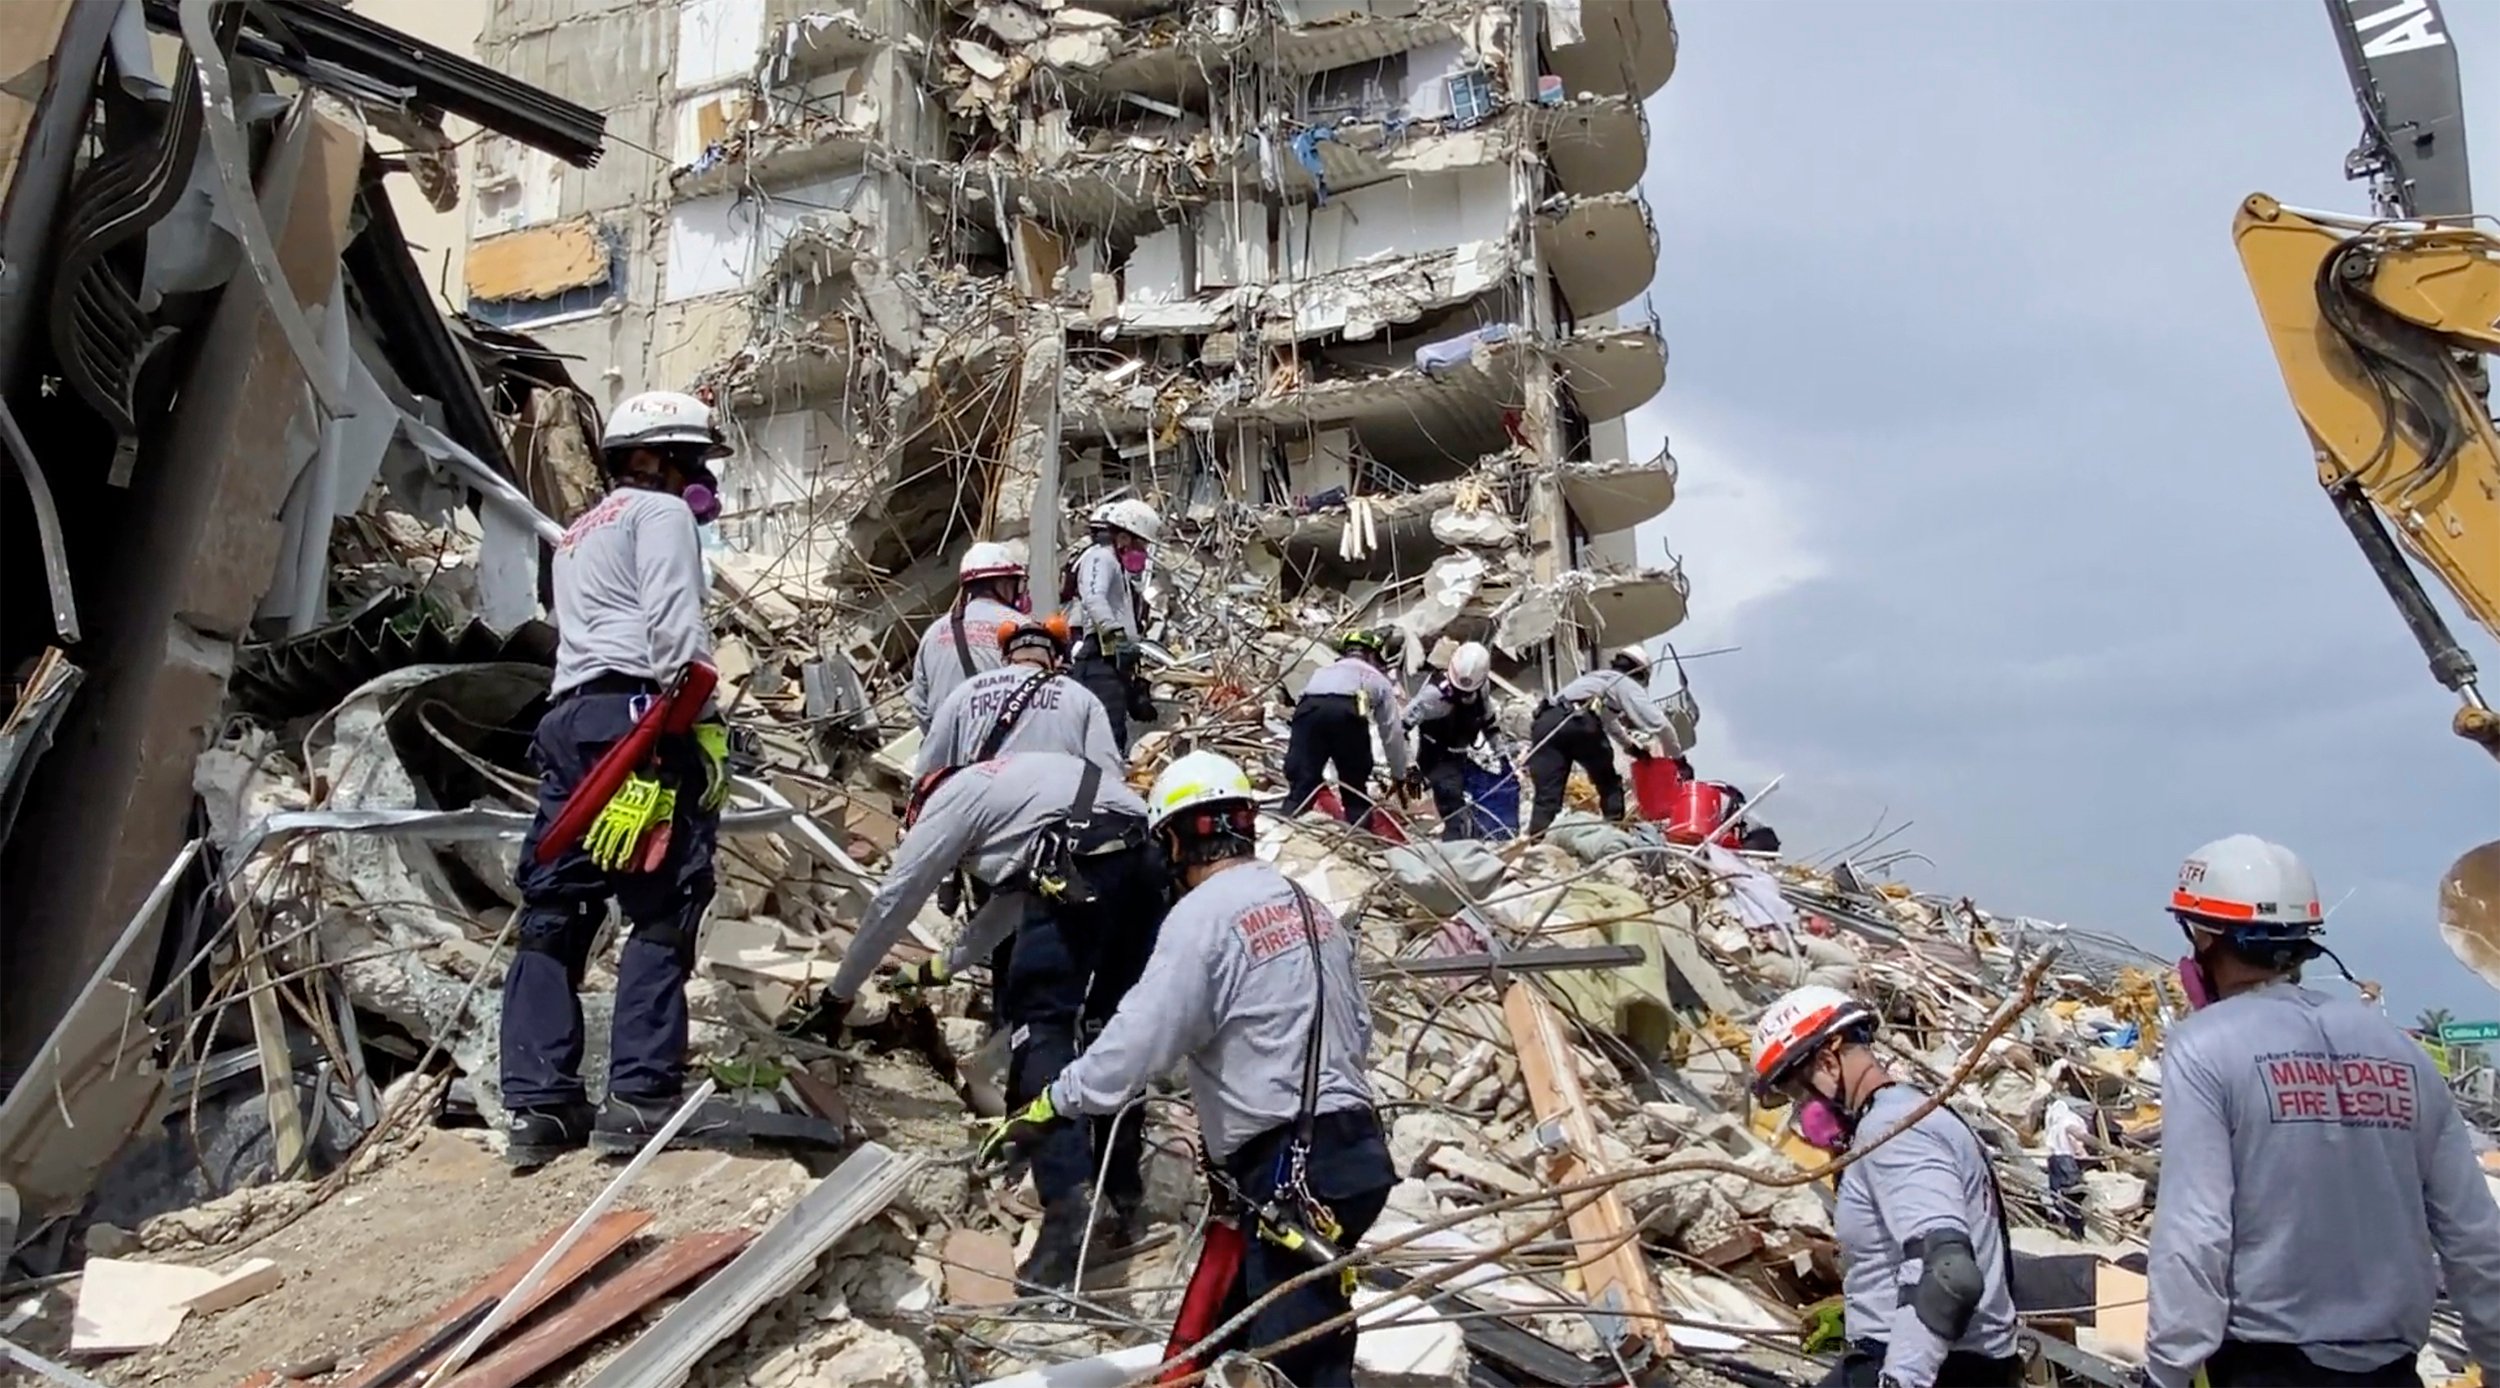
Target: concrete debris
<point x="947" y="272"/>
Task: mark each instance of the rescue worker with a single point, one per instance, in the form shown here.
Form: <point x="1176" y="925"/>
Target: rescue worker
<point x="629" y="587"/>
<point x="1253" y="985"/>
<point x="1059" y="846"/>
<point x="1026" y="705"/>
<point x="989" y="593"/>
<point x="1450" y="714"/>
<point x="1578" y="727"/>
<point x="1107" y="614"/>
<point x="1926" y="1264"/>
<point x="2316" y="1180"/>
<point x="1344" y="704"/>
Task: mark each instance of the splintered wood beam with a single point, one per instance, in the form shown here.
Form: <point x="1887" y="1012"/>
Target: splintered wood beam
<point x="1623" y="1300"/>
<point x="424" y="1342"/>
<point x="604" y="1307"/>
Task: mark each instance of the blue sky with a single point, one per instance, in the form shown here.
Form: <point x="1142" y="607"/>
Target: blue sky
<point x="1989" y="470"/>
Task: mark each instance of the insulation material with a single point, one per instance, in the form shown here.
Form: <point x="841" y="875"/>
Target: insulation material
<point x="1158" y="270"/>
<point x="717" y="245"/>
<point x="539" y="263"/>
<point x="718" y="41"/>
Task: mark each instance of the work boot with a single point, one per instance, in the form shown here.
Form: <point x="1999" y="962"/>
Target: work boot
<point x="1123" y="1225"/>
<point x="1053" y="1264"/>
<point x="534" y="1137"/>
<point x="626" y="1125"/>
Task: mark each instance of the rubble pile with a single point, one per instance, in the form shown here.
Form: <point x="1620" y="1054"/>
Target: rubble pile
<point x="1571" y="1012"/>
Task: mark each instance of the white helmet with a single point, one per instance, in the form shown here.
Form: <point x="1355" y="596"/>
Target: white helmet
<point x="1201" y="778"/>
<point x="1636" y="654"/>
<point x="658" y="417"/>
<point x="1131" y="515"/>
<point x="1797" y="1025"/>
<point x="988" y="559"/>
<point x="1471" y="667"/>
<point x="2244" y="881"/>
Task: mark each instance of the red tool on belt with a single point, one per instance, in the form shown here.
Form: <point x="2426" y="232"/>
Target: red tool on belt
<point x="1202" y="1306"/>
<point x="671" y="714"/>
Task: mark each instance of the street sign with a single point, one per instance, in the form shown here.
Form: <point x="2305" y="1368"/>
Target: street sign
<point x="2468" y="1033"/>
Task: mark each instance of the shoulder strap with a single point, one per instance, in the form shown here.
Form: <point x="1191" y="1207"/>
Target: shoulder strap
<point x="1081" y="809"/>
<point x="1306" y="1118"/>
<point x="1009" y="713"/>
<point x="963" y="645"/>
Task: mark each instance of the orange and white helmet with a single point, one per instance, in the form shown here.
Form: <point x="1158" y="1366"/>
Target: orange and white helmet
<point x="2245" y="886"/>
<point x="1795" y="1027"/>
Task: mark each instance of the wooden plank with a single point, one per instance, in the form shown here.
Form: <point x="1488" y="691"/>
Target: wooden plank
<point x="277" y="1064"/>
<point x="539" y="263"/>
<point x="866" y="1182"/>
<point x="259" y="1277"/>
<point x="418" y="1344"/>
<point x="1618" y="1281"/>
<point x="609" y="1304"/>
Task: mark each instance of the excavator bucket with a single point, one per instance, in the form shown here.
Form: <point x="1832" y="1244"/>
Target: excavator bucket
<point x="2469" y="911"/>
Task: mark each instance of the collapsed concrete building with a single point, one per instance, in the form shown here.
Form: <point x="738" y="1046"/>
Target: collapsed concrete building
<point x="1354" y="291"/>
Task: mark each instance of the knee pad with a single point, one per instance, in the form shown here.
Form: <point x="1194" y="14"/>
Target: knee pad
<point x="1950" y="1284"/>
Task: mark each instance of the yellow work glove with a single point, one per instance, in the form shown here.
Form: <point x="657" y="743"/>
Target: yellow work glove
<point x="1018" y="1130"/>
<point x="928" y="973"/>
<point x="713" y="739"/>
<point x="629" y="814"/>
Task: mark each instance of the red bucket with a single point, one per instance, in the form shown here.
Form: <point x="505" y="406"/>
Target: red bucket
<point x="1654" y="782"/>
<point x="1695" y="808"/>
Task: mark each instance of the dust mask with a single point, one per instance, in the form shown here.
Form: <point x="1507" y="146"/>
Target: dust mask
<point x="1821" y="1125"/>
<point x="2200" y="994"/>
<point x="1133" y="560"/>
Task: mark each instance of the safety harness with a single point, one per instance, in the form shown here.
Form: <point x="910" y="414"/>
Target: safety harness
<point x="1010" y="712"/>
<point x="1293" y="1218"/>
<point x="963" y="643"/>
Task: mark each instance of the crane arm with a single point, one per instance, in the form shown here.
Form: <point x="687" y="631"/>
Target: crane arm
<point x="2380" y="329"/>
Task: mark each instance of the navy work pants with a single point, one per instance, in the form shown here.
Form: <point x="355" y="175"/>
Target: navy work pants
<point x="1444" y="770"/>
<point x="1862" y="1366"/>
<point x="1069" y="967"/>
<point x="2255" y="1364"/>
<point x="1103" y="676"/>
<point x="1349" y="1172"/>
<point x="564" y="902"/>
<point x="1330" y="729"/>
<point x="1560" y="738"/>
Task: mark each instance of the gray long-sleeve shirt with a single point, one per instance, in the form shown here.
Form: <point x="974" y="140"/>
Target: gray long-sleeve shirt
<point x="1230" y="988"/>
<point x="1061" y="716"/>
<point x="1624" y="703"/>
<point x="629" y="590"/>
<point x="1357" y="678"/>
<point x="1932" y="1177"/>
<point x="939" y="665"/>
<point x="979" y="821"/>
<point x="1105" y="599"/>
<point x="2315" y="1180"/>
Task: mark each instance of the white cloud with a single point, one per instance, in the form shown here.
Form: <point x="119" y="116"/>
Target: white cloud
<point x="1745" y="536"/>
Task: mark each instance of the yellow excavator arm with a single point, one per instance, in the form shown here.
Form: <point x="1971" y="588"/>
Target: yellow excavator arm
<point x="2381" y="328"/>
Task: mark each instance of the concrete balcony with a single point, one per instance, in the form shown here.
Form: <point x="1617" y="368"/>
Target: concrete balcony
<point x="1636" y="605"/>
<point x="1616" y="496"/>
<point x="1597" y="144"/>
<point x="1602" y="251"/>
<point x="1613" y="370"/>
<point x="1611" y="46"/>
